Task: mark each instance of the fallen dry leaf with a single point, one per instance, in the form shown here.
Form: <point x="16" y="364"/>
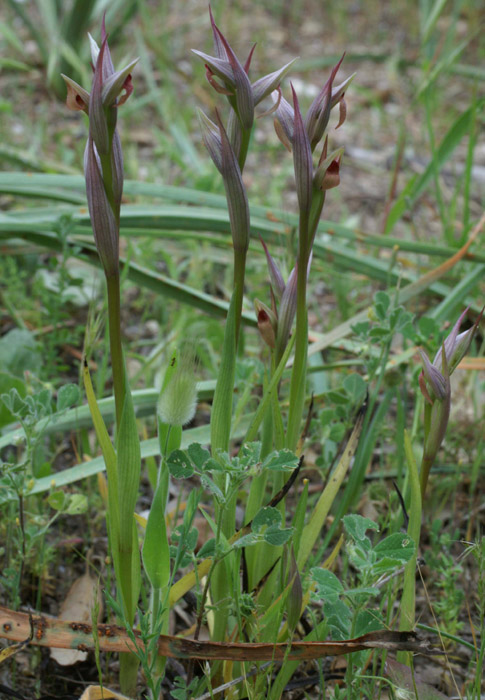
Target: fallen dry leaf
<point x="95" y="692"/>
<point x="13" y="649"/>
<point x="407" y="682"/>
<point x="78" y="605"/>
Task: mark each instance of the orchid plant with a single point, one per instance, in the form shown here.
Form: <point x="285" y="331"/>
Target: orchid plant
<point x="263" y="541"/>
<point x="103" y="167"/>
<point x="228" y="146"/>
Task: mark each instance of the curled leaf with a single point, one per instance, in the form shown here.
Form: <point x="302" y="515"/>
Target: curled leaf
<point x="83" y="596"/>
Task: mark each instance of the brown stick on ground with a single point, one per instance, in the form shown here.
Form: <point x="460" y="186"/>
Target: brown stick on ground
<point x="51" y="632"/>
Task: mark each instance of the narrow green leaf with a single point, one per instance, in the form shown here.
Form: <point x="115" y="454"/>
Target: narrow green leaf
<point x="155" y="552"/>
<point x="109" y="454"/>
<point x="221" y="414"/>
<point x="129" y="464"/>
<point x="431" y="19"/>
<point x="458" y="294"/>
<point x="415" y="189"/>
<point x="311" y="531"/>
<point x="267" y="398"/>
<point x="149" y="448"/>
<point x="129" y="467"/>
<point x="408" y="598"/>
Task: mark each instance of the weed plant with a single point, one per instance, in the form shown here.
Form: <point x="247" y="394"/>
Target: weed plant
<point x="237" y="413"/>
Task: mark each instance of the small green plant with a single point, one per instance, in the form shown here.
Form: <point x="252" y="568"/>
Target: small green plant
<point x="25" y="528"/>
<point x="449" y="601"/>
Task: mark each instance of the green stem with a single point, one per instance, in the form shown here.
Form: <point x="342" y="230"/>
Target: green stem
<point x="408" y="599"/>
<point x="428" y="459"/>
<point x="154" y="606"/>
<point x="114" y="319"/>
<point x="307" y="228"/>
<point x="298" y="375"/>
<point x="200" y="613"/>
<point x="318" y="200"/>
<point x="239" y="275"/>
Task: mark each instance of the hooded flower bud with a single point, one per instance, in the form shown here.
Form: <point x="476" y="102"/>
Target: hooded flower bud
<point x="264" y="86"/>
<point x="277" y="282"/>
<point x="287" y="311"/>
<point x="212" y="138"/>
<point x="237" y="201"/>
<point x="331" y="178"/>
<point x="235" y="82"/>
<point x="267" y="323"/>
<point x="434" y="382"/>
<point x="103" y="221"/>
<point x="285" y="294"/>
<point x="319" y="112"/>
<point x="434" y="378"/>
<point x="284" y="120"/>
<point x="327" y="174"/>
<point x="456" y="344"/>
<point x="437" y="386"/>
<point x="77" y="97"/>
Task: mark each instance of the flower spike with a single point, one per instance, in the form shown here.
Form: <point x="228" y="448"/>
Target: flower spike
<point x="302" y="157"/>
<point x="103" y="158"/>
<point x="434" y="382"/>
<point x="319" y="112"/>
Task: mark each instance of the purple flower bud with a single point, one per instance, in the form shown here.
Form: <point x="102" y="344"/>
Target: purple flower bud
<point x="103" y="158"/>
<point x="265" y="85"/>
<point x="103" y="221"/>
<point x="319" y="112"/>
<point x="339" y="90"/>
<point x="98" y="123"/>
<point x="116" y="83"/>
<point x="438" y="386"/>
<point x="434" y="382"/>
<point x="221" y="68"/>
<point x="113" y="83"/>
<point x="244" y="106"/>
<point x="237" y="200"/>
<point x="457" y="344"/>
<point x="455" y="348"/>
<point x="287" y="311"/>
<point x="236" y="84"/>
<point x="219" y="47"/>
<point x="234" y="76"/>
<point x="302" y="159"/>
<point x="234" y="132"/>
<point x="267" y="323"/>
<point x="117" y="171"/>
<point x="284" y="120"/>
<point x="277" y="283"/>
<point x="212" y="138"/>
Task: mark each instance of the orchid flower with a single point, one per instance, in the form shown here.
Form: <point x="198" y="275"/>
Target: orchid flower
<point x="434" y="382"/>
<point x="103" y="158"/>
